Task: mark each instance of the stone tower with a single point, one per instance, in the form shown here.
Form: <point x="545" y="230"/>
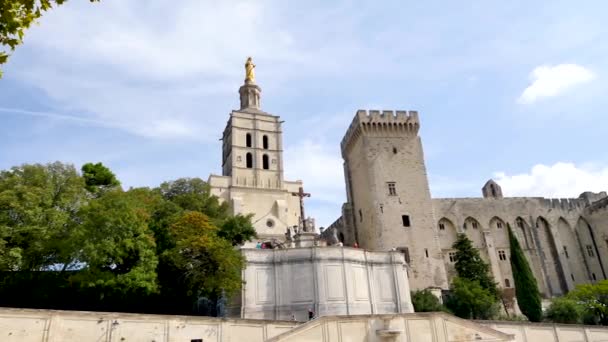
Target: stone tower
<point x="491" y="190"/>
<point x="389" y="202"/>
<point x="252" y="167"/>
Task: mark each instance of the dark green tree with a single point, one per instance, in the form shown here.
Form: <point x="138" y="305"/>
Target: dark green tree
<point x="39" y="207"/>
<point x="194" y="194"/>
<point x="468" y="299"/>
<point x="564" y="310"/>
<point x="206" y="264"/>
<point x="469" y="265"/>
<point x="526" y="288"/>
<point x="237" y="229"/>
<point x="425" y="301"/>
<point x="117" y="249"/>
<point x="97" y="177"/>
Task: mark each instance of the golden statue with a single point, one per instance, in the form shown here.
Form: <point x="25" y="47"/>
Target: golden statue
<point x="249" y="72"/>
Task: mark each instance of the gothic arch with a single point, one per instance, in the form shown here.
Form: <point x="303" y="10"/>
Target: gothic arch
<point x="499" y="230"/>
<point x="447" y="233"/>
<point x="550" y="258"/>
<point x="589" y="249"/>
<point x="523" y="233"/>
<point x="571" y="251"/>
<point x="472" y="228"/>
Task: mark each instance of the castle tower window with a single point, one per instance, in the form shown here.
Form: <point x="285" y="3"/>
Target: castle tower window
<point x="249" y="158"/>
<point x="360" y="216"/>
<point x="590" y="251"/>
<point x="502" y="255"/>
<point x="441" y="226"/>
<point x="394" y="150"/>
<point x="475" y="225"/>
<point x="426" y="252"/>
<point x="566" y="252"/>
<point x="265" y="163"/>
<point x="248" y="140"/>
<point x="452" y="256"/>
<point x="507" y="283"/>
<point x="593" y="276"/>
<point x="265" y="142"/>
<point x="499" y="225"/>
<point x="406" y="220"/>
<point x="572" y="276"/>
<point x="392" y="188"/>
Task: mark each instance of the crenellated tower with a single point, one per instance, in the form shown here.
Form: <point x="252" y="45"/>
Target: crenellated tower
<point x="390" y="205"/>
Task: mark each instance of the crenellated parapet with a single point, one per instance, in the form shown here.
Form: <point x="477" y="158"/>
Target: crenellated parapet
<point x="381" y="123"/>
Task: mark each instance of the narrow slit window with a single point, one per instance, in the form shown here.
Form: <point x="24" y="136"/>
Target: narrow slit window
<point x="265" y="163"/>
<point x="265" y="142"/>
<point x="405" y="220"/>
<point x="249" y="158"/>
<point x="426" y="252"/>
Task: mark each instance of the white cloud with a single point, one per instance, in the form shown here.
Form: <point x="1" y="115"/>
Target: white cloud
<point x="558" y="180"/>
<point x="320" y="169"/>
<point x="550" y="81"/>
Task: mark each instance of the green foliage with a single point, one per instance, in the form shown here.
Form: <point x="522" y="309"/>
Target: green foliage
<point x="594" y="300"/>
<point x="194" y="194"/>
<point x="468" y="299"/>
<point x="39" y="207"/>
<point x="425" y="301"/>
<point x="117" y="247"/>
<point x="526" y="289"/>
<point x="97" y="177"/>
<point x="114" y="250"/>
<point x="208" y="263"/>
<point x="565" y="310"/>
<point x="16" y="16"/>
<point x="237" y="229"/>
<point x="470" y="266"/>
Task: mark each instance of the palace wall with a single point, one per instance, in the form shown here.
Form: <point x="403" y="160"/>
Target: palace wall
<point x="559" y="237"/>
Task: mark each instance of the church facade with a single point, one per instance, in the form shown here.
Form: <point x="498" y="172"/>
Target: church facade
<point x="389" y="207"/>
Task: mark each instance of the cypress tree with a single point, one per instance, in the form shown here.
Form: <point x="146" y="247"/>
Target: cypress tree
<point x="471" y="266"/>
<point x="526" y="289"/>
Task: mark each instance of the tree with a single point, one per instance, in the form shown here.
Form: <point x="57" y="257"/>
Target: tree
<point x="468" y="299"/>
<point x="470" y="266"/>
<point x="97" y="177"/>
<point x="526" y="289"/>
<point x="118" y="252"/>
<point x="425" y="301"/>
<point x="194" y="194"/>
<point x="594" y="300"/>
<point x="206" y="263"/>
<point x="39" y="206"/>
<point x="16" y="16"/>
<point x="564" y="310"/>
<point x="237" y="229"/>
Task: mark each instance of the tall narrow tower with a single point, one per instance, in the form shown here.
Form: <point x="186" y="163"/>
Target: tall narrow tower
<point x="252" y="165"/>
<point x="389" y="201"/>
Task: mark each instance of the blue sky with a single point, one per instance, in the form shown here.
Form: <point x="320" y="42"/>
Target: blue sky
<point x="510" y="90"/>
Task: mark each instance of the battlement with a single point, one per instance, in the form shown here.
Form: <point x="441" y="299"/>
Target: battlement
<point x="385" y="122"/>
<point x="564" y="203"/>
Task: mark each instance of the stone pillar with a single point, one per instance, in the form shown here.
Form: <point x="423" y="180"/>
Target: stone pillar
<point x="250" y="96"/>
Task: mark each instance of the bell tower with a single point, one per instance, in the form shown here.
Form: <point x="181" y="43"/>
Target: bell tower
<point x="252" y="165"/>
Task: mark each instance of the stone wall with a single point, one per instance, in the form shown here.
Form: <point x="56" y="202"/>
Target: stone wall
<point x="23" y="325"/>
<point x="286" y="283"/>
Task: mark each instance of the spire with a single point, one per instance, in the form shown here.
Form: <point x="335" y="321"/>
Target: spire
<point x="250" y="92"/>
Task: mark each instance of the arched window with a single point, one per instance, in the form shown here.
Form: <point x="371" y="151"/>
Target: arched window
<point x="265" y="164"/>
<point x="248" y="139"/>
<point x="265" y="142"/>
<point x="249" y="160"/>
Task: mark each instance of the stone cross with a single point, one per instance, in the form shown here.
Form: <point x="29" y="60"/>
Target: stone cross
<point x="301" y="194"/>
